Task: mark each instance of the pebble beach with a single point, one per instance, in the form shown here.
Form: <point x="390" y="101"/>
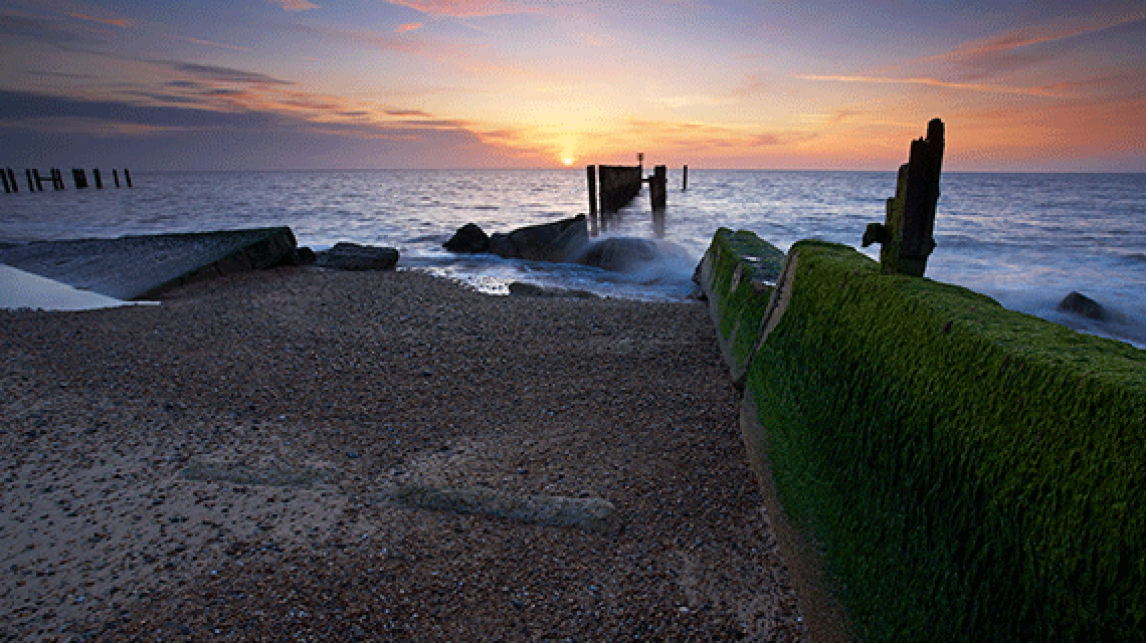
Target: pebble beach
<point x="308" y="454"/>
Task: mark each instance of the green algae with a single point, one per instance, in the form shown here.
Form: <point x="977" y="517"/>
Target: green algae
<point x="974" y="473"/>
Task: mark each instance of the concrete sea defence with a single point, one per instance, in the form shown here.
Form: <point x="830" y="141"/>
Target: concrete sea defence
<point x="955" y="470"/>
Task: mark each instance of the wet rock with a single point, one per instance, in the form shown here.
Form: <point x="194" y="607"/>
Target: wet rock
<point x="469" y="238"/>
<point x="619" y="254"/>
<point x="503" y="246"/>
<point x="551" y="241"/>
<point x="524" y="289"/>
<point x="1079" y="304"/>
<point x="351" y="256"/>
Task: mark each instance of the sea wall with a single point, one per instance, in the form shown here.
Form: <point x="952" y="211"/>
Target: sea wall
<point x="961" y="471"/>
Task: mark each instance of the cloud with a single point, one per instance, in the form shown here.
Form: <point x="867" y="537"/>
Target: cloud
<point x="1052" y="91"/>
<point x="122" y="23"/>
<point x="208" y="43"/>
<point x="224" y="74"/>
<point x="1020" y="48"/>
<point x="409" y="26"/>
<point x="707" y="137"/>
<point x="465" y="8"/>
<point x="270" y="136"/>
<point x="294" y="5"/>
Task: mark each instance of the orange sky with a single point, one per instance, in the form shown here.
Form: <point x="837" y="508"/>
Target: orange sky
<point x="268" y="84"/>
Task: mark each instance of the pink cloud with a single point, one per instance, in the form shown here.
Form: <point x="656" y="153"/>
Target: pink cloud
<point x="1053" y="91"/>
<point x="409" y="26"/>
<point x="295" y="5"/>
<point x="465" y="8"/>
<point x="1021" y="47"/>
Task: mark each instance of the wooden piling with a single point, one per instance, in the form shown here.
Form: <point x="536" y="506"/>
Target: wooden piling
<point x="4" y="175"/>
<point x="684" y="179"/>
<point x="98" y="179"/>
<point x="31" y="180"/>
<point x="618" y="185"/>
<point x="12" y="180"/>
<point x="127" y="177"/>
<point x="591" y="177"/>
<point x="80" y="178"/>
<point x="115" y="175"/>
<point x="658" y="186"/>
<point x="907" y="234"/>
<point x="58" y="179"/>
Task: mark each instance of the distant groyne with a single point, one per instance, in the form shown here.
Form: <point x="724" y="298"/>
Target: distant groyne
<point x="943" y="468"/>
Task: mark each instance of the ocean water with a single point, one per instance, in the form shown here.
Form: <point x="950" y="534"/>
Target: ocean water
<point x="1025" y="239"/>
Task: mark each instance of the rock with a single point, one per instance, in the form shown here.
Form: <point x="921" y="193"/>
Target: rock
<point x="306" y="256"/>
<point x="555" y="241"/>
<point x="468" y="238"/>
<point x="503" y="246"/>
<point x="619" y="254"/>
<point x="1079" y="304"/>
<point x="351" y="256"/>
<point x="523" y="289"/>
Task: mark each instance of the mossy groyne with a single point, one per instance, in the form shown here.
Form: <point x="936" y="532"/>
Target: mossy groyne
<point x="961" y="471"/>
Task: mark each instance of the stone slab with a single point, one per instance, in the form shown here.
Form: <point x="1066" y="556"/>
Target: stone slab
<point x="134" y="267"/>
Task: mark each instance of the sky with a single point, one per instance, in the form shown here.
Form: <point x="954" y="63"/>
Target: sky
<point x="360" y="84"/>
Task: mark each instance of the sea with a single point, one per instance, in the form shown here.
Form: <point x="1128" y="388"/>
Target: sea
<point x="1027" y="240"/>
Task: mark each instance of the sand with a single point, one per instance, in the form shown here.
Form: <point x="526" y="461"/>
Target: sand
<point x="237" y="463"/>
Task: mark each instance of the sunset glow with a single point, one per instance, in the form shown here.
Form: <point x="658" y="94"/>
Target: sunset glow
<point x="266" y="84"/>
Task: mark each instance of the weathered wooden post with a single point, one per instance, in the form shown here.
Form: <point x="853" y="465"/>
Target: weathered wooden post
<point x="684" y="180"/>
<point x="58" y="179"/>
<point x="658" y="186"/>
<point x="4" y="175"/>
<point x="907" y="232"/>
<point x="31" y="180"/>
<point x="12" y="180"/>
<point x="80" y="177"/>
<point x="98" y="179"/>
<point x="591" y="177"/>
<point x="40" y="181"/>
<point x="115" y="175"/>
<point x="127" y="177"/>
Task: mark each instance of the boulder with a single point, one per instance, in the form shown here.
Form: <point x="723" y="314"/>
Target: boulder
<point x="351" y="256"/>
<point x="555" y="241"/>
<point x="469" y="238"/>
<point x="525" y="289"/>
<point x="306" y="256"/>
<point x="619" y="254"/>
<point x="1079" y="304"/>
<point x="503" y="246"/>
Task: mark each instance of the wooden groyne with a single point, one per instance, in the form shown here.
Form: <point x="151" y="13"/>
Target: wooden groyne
<point x="939" y="466"/>
<point x="612" y="187"/>
<point x="55" y="178"/>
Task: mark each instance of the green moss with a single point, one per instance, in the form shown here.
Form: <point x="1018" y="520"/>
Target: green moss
<point x="741" y="269"/>
<point x="974" y="473"/>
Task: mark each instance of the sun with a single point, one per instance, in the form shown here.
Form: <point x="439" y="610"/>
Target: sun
<point x="567" y="161"/>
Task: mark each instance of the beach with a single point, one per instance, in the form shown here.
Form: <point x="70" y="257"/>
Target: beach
<point x="321" y="455"/>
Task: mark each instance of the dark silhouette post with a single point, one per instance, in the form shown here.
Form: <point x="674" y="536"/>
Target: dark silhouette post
<point x="684" y="180"/>
<point x="907" y="232"/>
<point x="12" y="180"/>
<point x="115" y="175"/>
<point x="4" y="175"/>
<point x="98" y="179"/>
<point x="658" y="186"/>
<point x="80" y="177"/>
<point x="591" y="177"/>
<point x="127" y="177"/>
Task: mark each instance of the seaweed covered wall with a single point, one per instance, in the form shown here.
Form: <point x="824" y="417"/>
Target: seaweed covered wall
<point x="971" y="473"/>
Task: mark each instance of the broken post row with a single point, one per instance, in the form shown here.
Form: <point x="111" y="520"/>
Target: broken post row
<point x="55" y="177"/>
